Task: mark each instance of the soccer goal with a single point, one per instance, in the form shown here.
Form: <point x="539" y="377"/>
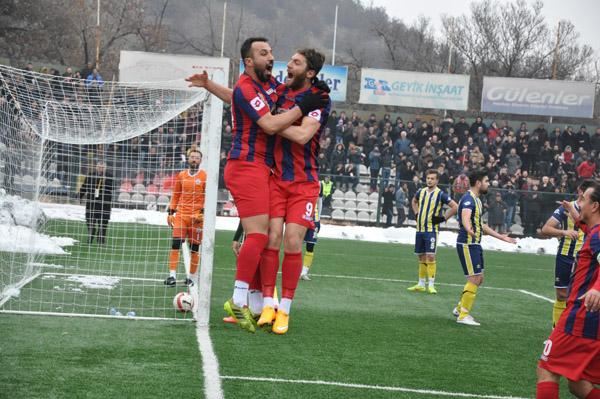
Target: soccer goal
<point x="62" y="254"/>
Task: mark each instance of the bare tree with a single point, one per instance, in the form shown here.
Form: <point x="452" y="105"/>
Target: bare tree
<point x="513" y="39"/>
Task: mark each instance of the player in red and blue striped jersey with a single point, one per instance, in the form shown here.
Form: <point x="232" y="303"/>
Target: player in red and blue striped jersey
<point x="573" y="348"/>
<point x="251" y="157"/>
<point x="295" y="188"/>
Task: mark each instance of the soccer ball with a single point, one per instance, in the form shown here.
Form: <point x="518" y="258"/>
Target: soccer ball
<point x="183" y="302"/>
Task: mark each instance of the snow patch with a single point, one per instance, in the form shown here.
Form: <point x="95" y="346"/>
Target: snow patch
<point x="25" y="240"/>
<point x="98" y="282"/>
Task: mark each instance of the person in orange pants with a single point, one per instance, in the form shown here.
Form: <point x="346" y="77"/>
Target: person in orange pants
<point x="186" y="216"/>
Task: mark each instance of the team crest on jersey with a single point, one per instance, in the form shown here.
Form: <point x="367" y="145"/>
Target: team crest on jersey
<point x="468" y="203"/>
<point x="270" y="91"/>
<point x="316" y="114"/>
<point x="257" y="103"/>
<point x="198" y="181"/>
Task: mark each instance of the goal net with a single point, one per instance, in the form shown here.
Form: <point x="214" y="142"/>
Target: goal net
<point x="105" y="253"/>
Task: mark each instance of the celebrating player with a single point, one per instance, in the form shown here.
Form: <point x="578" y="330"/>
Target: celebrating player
<point x="295" y="189"/>
<point x="468" y="244"/>
<point x="427" y="205"/>
<point x="186" y="216"/>
<point x="573" y="348"/>
<point x="310" y="239"/>
<point x="251" y="157"/>
<point x="571" y="240"/>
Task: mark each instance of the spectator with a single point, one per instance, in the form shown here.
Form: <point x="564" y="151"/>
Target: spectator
<point x="388" y="204"/>
<point x="595" y="141"/>
<point x="582" y="139"/>
<point x="587" y="169"/>
<point x="510" y="198"/>
<point x="496" y="213"/>
<point x="513" y="161"/>
<point x="328" y="190"/>
<point x="402" y="145"/>
<point x="374" y="166"/>
<point x="401" y="202"/>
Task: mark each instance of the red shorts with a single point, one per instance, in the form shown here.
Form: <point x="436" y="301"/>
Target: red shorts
<point x="572" y="357"/>
<point x="248" y="183"/>
<point x="294" y="201"/>
<point x="184" y="227"/>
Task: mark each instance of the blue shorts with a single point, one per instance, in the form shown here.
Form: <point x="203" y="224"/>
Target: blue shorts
<point x="311" y="235"/>
<point x="562" y="271"/>
<point x="425" y="243"/>
<point x="471" y="258"/>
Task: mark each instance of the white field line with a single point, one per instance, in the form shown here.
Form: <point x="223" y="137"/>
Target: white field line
<point x="395" y="280"/>
<point x="95" y="316"/>
<point x="533" y="294"/>
<point x="210" y="364"/>
<point x="372" y="387"/>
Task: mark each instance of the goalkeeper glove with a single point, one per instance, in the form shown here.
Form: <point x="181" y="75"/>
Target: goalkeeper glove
<point x="199" y="218"/>
<point x="438" y="219"/>
<point x="171" y="218"/>
<point x="313" y="101"/>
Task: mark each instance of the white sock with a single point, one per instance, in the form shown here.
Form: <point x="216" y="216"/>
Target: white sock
<point x="240" y="293"/>
<point x="172" y="273"/>
<point x="268" y="301"/>
<point x="255" y="301"/>
<point x="285" y="305"/>
<point x="431" y="282"/>
<point x="421" y="282"/>
<point x="304" y="271"/>
<point x="193" y="277"/>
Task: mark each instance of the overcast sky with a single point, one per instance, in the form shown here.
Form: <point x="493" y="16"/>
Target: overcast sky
<point x="584" y="14"/>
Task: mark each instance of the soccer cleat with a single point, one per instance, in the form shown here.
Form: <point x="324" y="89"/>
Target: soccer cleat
<point x="267" y="316"/>
<point x="188" y="282"/>
<point x="417" y="288"/>
<point x="468" y="320"/>
<point x="305" y="277"/>
<point x="431" y="290"/>
<point x="455" y="312"/>
<point x="230" y="320"/>
<point x="170" y="281"/>
<point x="242" y="315"/>
<point x="282" y="321"/>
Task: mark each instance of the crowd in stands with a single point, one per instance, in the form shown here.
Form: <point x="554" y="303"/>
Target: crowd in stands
<point x="529" y="166"/>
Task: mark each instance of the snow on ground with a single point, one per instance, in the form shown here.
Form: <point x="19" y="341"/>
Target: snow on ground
<point x="25" y="240"/>
<point x="403" y="235"/>
<point x="99" y="282"/>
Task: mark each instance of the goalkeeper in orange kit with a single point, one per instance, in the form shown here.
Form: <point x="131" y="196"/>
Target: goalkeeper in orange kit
<point x="186" y="216"/>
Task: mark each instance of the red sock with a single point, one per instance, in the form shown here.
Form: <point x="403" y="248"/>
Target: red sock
<point x="291" y="270"/>
<point x="256" y="281"/>
<point x="269" y="266"/>
<point x="247" y="261"/>
<point x="594" y="394"/>
<point x="547" y="390"/>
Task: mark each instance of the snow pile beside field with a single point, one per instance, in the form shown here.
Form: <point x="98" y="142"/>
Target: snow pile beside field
<point x="403" y="235"/>
<point x="98" y="282"/>
<point x="19" y="220"/>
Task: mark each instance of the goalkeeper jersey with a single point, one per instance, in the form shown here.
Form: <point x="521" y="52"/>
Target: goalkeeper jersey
<point x="188" y="194"/>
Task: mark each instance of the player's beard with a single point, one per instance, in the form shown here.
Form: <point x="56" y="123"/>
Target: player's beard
<point x="193" y="167"/>
<point x="483" y="192"/>
<point x="263" y="74"/>
<point x="297" y="81"/>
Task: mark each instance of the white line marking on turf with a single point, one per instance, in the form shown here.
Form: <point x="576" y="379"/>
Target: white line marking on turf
<point x="533" y="294"/>
<point x="210" y="364"/>
<point x="374" y="387"/>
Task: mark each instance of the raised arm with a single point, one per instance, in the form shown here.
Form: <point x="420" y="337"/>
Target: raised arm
<point x="202" y="80"/>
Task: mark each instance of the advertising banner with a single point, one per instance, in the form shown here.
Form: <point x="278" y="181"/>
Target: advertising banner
<point x="414" y="89"/>
<point x="538" y="97"/>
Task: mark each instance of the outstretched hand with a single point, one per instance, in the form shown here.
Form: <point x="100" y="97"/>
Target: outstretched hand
<point x="591" y="300"/>
<point x="198" y="80"/>
<point x="508" y="239"/>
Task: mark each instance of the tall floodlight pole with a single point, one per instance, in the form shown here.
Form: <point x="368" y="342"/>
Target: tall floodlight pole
<point x="223" y="31"/>
<point x="449" y="65"/>
<point x="555" y="59"/>
<point x="334" y="34"/>
<point x="97" y="34"/>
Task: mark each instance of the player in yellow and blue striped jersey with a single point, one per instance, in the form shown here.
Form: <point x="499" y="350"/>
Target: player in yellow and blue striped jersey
<point x="427" y="205"/>
<point x="571" y="238"/>
<point x="468" y="244"/>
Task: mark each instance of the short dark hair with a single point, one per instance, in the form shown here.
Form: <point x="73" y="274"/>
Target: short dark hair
<point x="433" y="172"/>
<point x="595" y="197"/>
<point x="247" y="46"/>
<point x="586" y="184"/>
<point x="314" y="59"/>
<point x="194" y="150"/>
<point x="476" y="176"/>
